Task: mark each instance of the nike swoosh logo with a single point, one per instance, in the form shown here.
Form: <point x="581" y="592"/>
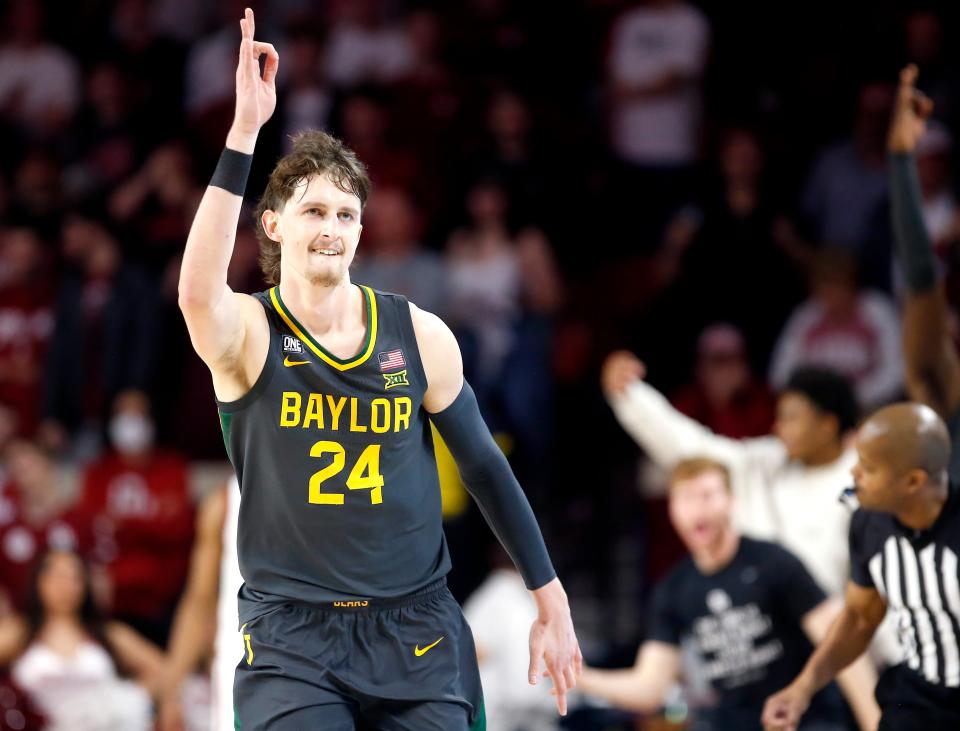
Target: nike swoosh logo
<point x="419" y="653"/>
<point x="287" y="362"/>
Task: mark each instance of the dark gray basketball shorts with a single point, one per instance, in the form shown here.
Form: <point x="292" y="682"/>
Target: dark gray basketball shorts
<point x="405" y="664"/>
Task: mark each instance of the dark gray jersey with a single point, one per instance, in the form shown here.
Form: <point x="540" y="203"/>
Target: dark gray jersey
<point x="340" y="497"/>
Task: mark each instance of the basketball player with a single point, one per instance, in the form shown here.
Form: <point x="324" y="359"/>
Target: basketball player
<point x="904" y="543"/>
<point x="932" y="365"/>
<point x="325" y="391"/>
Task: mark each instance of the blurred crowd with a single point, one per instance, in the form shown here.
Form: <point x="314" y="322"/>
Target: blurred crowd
<point x="555" y="181"/>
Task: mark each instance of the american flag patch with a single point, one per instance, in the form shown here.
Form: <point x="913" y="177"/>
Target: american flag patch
<point x="391" y="359"/>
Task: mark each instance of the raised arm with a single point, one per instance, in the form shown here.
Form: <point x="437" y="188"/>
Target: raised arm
<point x="140" y="657"/>
<point x="224" y="326"/>
<point x="491" y="483"/>
<point x="665" y="434"/>
<point x="643" y="687"/>
<point x="932" y="366"/>
<point x="196" y="614"/>
<point x="847" y="639"/>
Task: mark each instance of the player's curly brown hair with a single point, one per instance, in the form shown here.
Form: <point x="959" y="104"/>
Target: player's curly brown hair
<point x="314" y="152"/>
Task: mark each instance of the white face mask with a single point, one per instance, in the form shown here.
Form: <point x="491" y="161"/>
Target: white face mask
<point x="131" y="433"/>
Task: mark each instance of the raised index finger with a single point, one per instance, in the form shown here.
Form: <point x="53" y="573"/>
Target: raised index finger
<point x="908" y="76"/>
<point x="247" y="24"/>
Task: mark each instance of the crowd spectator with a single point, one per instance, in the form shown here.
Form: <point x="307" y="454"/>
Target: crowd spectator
<point x="74" y="661"/>
<point x="364" y="47"/>
<point x="849" y="330"/>
<point x="508" y="151"/>
<point x="104" y="145"/>
<point x="137" y="500"/>
<point x="38" y="198"/>
<point x="148" y="49"/>
<point x="366" y="127"/>
<point x="34" y="516"/>
<point x="845" y="197"/>
<point x="749" y="611"/>
<point x="725" y="396"/>
<point x="156" y="204"/>
<point x="924" y="39"/>
<point x="104" y="337"/>
<point x="787" y="486"/>
<point x="26" y="323"/>
<point x="503" y="288"/>
<point x="738" y="255"/>
<point x="393" y="258"/>
<point x="305" y="100"/>
<point x="39" y="81"/>
<point x="658" y="55"/>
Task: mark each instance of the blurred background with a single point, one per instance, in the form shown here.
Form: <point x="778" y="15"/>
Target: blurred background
<point x="701" y="183"/>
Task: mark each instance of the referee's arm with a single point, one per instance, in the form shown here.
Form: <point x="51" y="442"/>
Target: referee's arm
<point x="847" y="639"/>
<point x="489" y="479"/>
<point x="859" y="678"/>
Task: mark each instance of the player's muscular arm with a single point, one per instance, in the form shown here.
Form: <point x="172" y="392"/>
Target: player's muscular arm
<point x="225" y="325"/>
<point x="441" y="358"/>
<point x="641" y="688"/>
<point x="847" y="640"/>
<point x="933" y="369"/>
<point x="491" y="482"/>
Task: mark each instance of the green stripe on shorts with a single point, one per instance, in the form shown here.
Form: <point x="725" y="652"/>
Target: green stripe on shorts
<point x="479" y="725"/>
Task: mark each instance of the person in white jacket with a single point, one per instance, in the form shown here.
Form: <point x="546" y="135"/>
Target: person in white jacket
<point x="787" y="485"/>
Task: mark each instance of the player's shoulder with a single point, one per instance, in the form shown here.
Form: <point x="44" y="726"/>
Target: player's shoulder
<point x="867" y="526"/>
<point x="430" y="328"/>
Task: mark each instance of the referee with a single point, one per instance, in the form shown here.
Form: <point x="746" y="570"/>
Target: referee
<point x="904" y="544"/>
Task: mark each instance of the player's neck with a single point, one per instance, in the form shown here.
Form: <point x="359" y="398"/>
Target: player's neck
<point x="924" y="511"/>
<point x="321" y="309"/>
<point x="717" y="556"/>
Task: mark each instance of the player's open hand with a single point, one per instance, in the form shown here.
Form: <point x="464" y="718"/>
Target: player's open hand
<point x="620" y="369"/>
<point x="553" y="640"/>
<point x="783" y="710"/>
<point x="256" y="94"/>
<point x="910" y="113"/>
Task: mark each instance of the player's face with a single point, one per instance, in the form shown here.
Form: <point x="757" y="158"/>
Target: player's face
<point x="700" y="509"/>
<point x="802" y="427"/>
<point x="873" y="477"/>
<point x="318" y="230"/>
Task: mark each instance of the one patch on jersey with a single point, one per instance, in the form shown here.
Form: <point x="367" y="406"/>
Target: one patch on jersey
<point x="292" y="344"/>
<point x="391" y="359"/>
<point x="395" y="379"/>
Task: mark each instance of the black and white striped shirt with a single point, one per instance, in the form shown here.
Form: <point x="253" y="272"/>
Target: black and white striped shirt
<point x="918" y="575"/>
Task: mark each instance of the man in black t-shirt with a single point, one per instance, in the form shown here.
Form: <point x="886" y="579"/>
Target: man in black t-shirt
<point x="749" y="609"/>
<point x="904" y="544"/>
